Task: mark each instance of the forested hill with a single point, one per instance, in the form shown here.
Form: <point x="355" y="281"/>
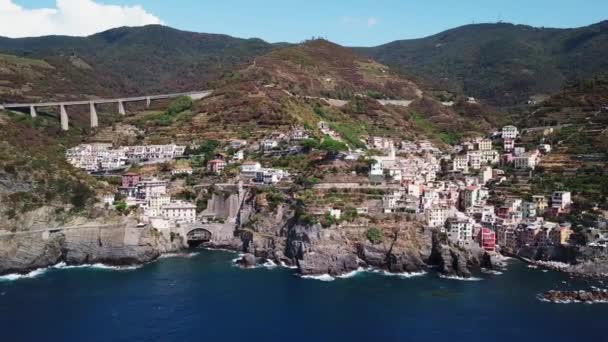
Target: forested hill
<point x="141" y="59"/>
<point x="502" y="63"/>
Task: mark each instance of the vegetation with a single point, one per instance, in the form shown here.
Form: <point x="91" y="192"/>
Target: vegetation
<point x="503" y="63"/>
<point x="374" y="235"/>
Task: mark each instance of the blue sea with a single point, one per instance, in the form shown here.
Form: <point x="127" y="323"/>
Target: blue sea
<point x="203" y="297"/>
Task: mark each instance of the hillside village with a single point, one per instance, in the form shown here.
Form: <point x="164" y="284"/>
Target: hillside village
<point x="455" y="190"/>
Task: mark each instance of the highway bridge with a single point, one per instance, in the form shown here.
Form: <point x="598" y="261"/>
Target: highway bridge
<point x="120" y="103"/>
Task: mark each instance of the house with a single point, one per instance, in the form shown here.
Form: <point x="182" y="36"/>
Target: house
<point x="509" y="132"/>
<point x="149" y="187"/>
<point x="130" y="179"/>
<point x="483" y="144"/>
<point x="216" y="166"/>
<point x="155" y="204"/>
<point x="508" y="144"/>
<point x="460" y="163"/>
<point x="181" y="171"/>
<point x="560" y="235"/>
<point x="528" y="210"/>
<point x="238" y="156"/>
<point x="335" y="213"/>
<point x="250" y="168"/>
<point x="487" y="240"/>
<point x="541" y="203"/>
<point x="490" y="156"/>
<point x="179" y="212"/>
<point x="380" y="143"/>
<point x="469" y="197"/>
<point x="436" y="216"/>
<point x="561" y="200"/>
<point x="460" y="230"/>
<point x="474" y="159"/>
<point x="527" y="160"/>
<point x="270" y="176"/>
<point x="269" y="144"/>
<point x="237" y="144"/>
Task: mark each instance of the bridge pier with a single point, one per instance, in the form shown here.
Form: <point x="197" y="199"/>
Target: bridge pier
<point x="121" y="108"/>
<point x="33" y="113"/>
<point x="94" y="118"/>
<point x="64" y="117"/>
<point x="148" y="101"/>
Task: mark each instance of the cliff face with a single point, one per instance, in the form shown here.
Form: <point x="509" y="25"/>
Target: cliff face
<point x="276" y="234"/>
<point x="121" y="244"/>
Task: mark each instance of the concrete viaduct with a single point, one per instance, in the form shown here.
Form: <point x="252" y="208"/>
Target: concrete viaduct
<point x="120" y="102"/>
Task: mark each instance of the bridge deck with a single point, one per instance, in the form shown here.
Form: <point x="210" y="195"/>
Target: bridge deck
<point x="193" y="94"/>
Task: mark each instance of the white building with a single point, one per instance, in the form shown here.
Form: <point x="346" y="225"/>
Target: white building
<point x="561" y="200"/>
<point x="179" y="212"/>
<point x="249" y="169"/>
<point x="510" y="132"/>
<point x="460" y="231"/>
<point x="152" y="186"/>
<point x="436" y="216"/>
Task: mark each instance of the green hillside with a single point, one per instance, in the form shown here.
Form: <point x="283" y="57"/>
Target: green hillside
<point x="502" y="63"/>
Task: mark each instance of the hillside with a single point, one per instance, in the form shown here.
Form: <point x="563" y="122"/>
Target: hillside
<point x="36" y="182"/>
<point x="312" y="82"/>
<point x="126" y="60"/>
<point x="502" y="63"/>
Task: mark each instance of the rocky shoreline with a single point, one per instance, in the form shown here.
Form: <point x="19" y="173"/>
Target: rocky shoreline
<point x="566" y="297"/>
<point x="123" y="244"/>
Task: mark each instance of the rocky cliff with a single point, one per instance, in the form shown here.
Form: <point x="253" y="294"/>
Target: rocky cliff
<point x="276" y="233"/>
<point x="119" y="244"/>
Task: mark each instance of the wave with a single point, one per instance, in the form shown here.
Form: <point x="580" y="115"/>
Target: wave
<point x="459" y="278"/>
<point x="492" y="272"/>
<point x="352" y="273"/>
<point x="98" y="266"/>
<point x="178" y="255"/>
<point x="269" y="264"/>
<point x="30" y="275"/>
<point x="219" y="250"/>
<point x="284" y="265"/>
<point x="323" y="277"/>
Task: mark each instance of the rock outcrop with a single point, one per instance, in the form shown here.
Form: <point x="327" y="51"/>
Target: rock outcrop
<point x="456" y="260"/>
<point x="121" y="244"/>
<point x="595" y="296"/>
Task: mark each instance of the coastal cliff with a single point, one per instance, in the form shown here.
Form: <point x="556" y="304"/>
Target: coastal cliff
<point x="276" y="233"/>
<point x="119" y="244"/>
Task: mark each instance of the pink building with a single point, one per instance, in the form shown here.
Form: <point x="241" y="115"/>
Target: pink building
<point x="130" y="180"/>
<point x="487" y="239"/>
<point x="216" y="166"/>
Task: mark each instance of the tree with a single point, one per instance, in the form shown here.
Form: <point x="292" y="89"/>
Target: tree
<point x="374" y="235"/>
<point x="331" y="145"/>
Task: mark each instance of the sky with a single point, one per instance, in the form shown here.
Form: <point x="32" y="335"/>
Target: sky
<point x="347" y="22"/>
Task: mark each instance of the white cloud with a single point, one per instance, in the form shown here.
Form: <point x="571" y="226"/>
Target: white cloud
<point x="372" y="22"/>
<point x="69" y="17"/>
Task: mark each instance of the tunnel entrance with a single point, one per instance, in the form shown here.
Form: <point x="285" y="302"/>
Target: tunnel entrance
<point x="197" y="237"/>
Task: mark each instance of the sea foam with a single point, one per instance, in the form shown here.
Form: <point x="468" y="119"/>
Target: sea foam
<point x="30" y="275"/>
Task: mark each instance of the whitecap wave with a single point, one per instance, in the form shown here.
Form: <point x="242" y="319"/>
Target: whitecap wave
<point x="459" y="278"/>
<point x="178" y="255"/>
<point x="283" y="264"/>
<point x="492" y="272"/>
<point x="269" y="264"/>
<point x="98" y="266"/>
<point x="322" y="277"/>
<point x="400" y="275"/>
<point x="30" y="275"/>
<point x="351" y="273"/>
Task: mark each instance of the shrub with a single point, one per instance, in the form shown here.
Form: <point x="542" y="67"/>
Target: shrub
<point x="179" y="105"/>
<point x="374" y="235"/>
<point x="331" y="145"/>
